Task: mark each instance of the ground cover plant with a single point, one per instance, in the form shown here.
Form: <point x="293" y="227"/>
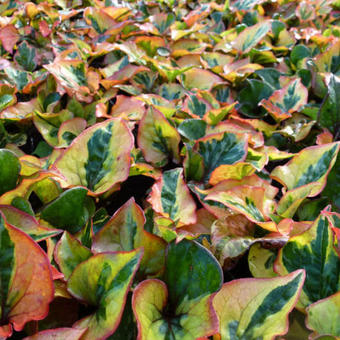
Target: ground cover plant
<point x="168" y="169"/>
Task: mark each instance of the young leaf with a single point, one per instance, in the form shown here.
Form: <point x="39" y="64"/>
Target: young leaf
<point x="186" y="294"/>
<point x="97" y="159"/>
<point x="157" y="138"/>
<point x="262" y="312"/>
<point x="316" y="254"/>
<point x="9" y="36"/>
<point x="69" y="130"/>
<point x="103" y="281"/>
<point x="171" y="198"/>
<point x="261" y="261"/>
<point x="311" y="165"/>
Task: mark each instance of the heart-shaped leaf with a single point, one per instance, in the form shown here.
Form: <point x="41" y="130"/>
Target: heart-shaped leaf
<point x="262" y="313"/>
<point x="221" y="149"/>
<point x="317" y="256"/>
<point x="103" y="281"/>
<point x="97" y="159"/>
<point x="70" y="211"/>
<point x="311" y="165"/>
<point x="181" y="307"/>
<point x="282" y="103"/>
<point x="125" y="231"/>
<point x="157" y="138"/>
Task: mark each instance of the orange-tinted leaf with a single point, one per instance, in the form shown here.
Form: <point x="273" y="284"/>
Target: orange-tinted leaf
<point x="9" y="36"/>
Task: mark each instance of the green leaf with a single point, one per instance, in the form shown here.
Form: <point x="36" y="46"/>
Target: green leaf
<point x="323" y="316"/>
<point x="70" y="211"/>
<point x="282" y="103"/>
<point x="251" y="95"/>
<point x="219" y="149"/>
<point x="311" y="165"/>
<point x="245" y="5"/>
<point x="329" y="111"/>
<point x="42" y="150"/>
<point x="25" y="56"/>
<point x="170" y="197"/>
<point x="180" y="309"/>
<point x="316" y="254"/>
<point x="103" y="281"/>
<point x="157" y="138"/>
<point x="125" y="231"/>
<point x="270" y="76"/>
<point x="250" y="36"/>
<point x="185" y="277"/>
<point x="23" y="205"/>
<point x="69" y="252"/>
<point x="97" y="159"/>
<point x="332" y="188"/>
<point x="7" y="96"/>
<point x="192" y="128"/>
<point x="9" y="170"/>
<point x="298" y="53"/>
<point x="127" y="329"/>
<point x="196" y="106"/>
<point x="17" y="77"/>
<point x="262" y="311"/>
<point x="6" y="264"/>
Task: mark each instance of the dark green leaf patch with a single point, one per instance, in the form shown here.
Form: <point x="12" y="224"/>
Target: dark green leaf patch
<point x="26" y="56"/>
<point x="69" y="211"/>
<point x="273" y="303"/>
<point x="216" y="152"/>
<point x="169" y="189"/>
<point x="319" y="259"/>
<point x="186" y="276"/>
<point x="99" y="160"/>
<point x="316" y="171"/>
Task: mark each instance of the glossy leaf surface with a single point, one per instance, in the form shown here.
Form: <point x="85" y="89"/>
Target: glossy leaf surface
<point x="99" y="167"/>
<point x="263" y="310"/>
<point x="184" y="291"/>
<point x="103" y="281"/>
<point x="316" y="255"/>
